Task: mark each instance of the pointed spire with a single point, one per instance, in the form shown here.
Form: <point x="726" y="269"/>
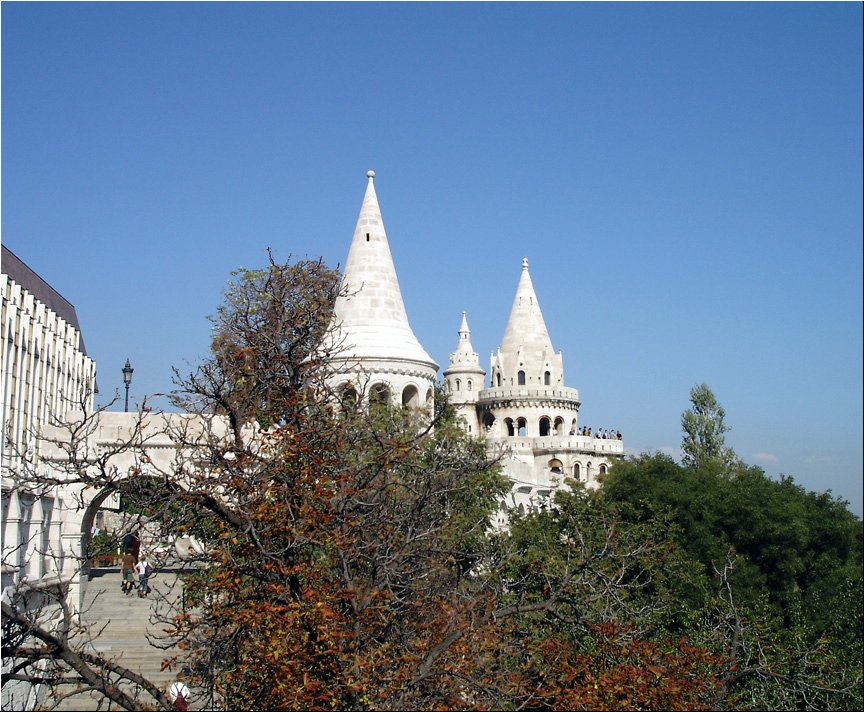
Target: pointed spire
<point x="464" y="344"/>
<point x="526" y="329"/>
<point x="371" y="316"/>
<point x="526" y="356"/>
<point x="464" y="376"/>
<point x="464" y="355"/>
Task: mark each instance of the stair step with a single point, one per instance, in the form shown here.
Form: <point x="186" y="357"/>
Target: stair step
<point x="120" y="624"/>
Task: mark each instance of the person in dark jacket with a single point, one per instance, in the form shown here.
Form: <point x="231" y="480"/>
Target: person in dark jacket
<point x="132" y="544"/>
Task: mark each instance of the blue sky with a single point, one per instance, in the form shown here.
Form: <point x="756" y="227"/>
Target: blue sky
<point x="685" y="180"/>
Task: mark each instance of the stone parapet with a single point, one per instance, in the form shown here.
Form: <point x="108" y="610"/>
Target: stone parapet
<point x="553" y="444"/>
<point x="509" y="396"/>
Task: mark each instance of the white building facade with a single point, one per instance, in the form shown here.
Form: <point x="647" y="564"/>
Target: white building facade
<point x="46" y="372"/>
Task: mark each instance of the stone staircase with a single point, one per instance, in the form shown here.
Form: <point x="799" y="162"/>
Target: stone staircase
<point x="128" y="630"/>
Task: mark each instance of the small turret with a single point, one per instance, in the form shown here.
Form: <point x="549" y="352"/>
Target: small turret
<point x="463" y="379"/>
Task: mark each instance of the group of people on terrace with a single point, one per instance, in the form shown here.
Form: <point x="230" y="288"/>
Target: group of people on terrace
<point x="601" y="434"/>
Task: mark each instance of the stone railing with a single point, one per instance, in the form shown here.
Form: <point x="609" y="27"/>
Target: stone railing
<point x="493" y="397"/>
<point x="555" y="443"/>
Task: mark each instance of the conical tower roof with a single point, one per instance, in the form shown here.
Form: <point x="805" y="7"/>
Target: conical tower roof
<point x="526" y="329"/>
<point x="464" y="358"/>
<point x="370" y="318"/>
<point x="464" y="346"/>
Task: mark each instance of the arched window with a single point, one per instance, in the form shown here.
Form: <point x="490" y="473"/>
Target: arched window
<point x="47" y="559"/>
<point x="458" y="385"/>
<point x="25" y="504"/>
<point x="556" y="466"/>
<point x="577" y="472"/>
<point x="470" y="387"/>
<point x="559" y="426"/>
<point x="379" y="394"/>
<point x="544" y="427"/>
<point x="520" y="378"/>
<point x="522" y="427"/>
<point x="498" y="376"/>
<point x="510" y="429"/>
<point x="603" y="469"/>
<point x="547" y="379"/>
<point x="488" y="421"/>
<point x="349" y="396"/>
<point x="410" y="397"/>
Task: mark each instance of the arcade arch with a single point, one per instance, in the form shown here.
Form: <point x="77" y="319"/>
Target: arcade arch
<point x="411" y="397"/>
<point x="141" y="504"/>
<point x="379" y="393"/>
<point x="545" y="426"/>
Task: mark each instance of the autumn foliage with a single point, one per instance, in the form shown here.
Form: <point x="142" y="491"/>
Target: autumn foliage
<point x="618" y="671"/>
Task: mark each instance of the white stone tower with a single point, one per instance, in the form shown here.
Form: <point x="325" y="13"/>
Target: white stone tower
<point x="527" y="397"/>
<point x="375" y="351"/>
<point x="530" y="417"/>
<point x="464" y="379"/>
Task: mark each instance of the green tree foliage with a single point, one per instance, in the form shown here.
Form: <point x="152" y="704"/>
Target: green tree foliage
<point x="704" y="426"/>
<point x="791" y="561"/>
<point x="591" y="598"/>
<point x="104" y="543"/>
<point x="653" y="486"/>
<point x="599" y="565"/>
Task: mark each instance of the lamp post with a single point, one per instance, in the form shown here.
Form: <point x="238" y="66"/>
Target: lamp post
<point x="127" y="380"/>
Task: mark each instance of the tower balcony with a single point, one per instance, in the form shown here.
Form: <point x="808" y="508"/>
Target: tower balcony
<point x="559" y="397"/>
<point x="551" y="444"/>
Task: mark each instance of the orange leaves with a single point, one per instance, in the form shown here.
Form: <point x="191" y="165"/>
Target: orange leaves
<point x="338" y="578"/>
<point x="617" y="671"/>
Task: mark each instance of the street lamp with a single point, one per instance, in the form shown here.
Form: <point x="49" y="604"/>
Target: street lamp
<point x="127" y="380"/>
